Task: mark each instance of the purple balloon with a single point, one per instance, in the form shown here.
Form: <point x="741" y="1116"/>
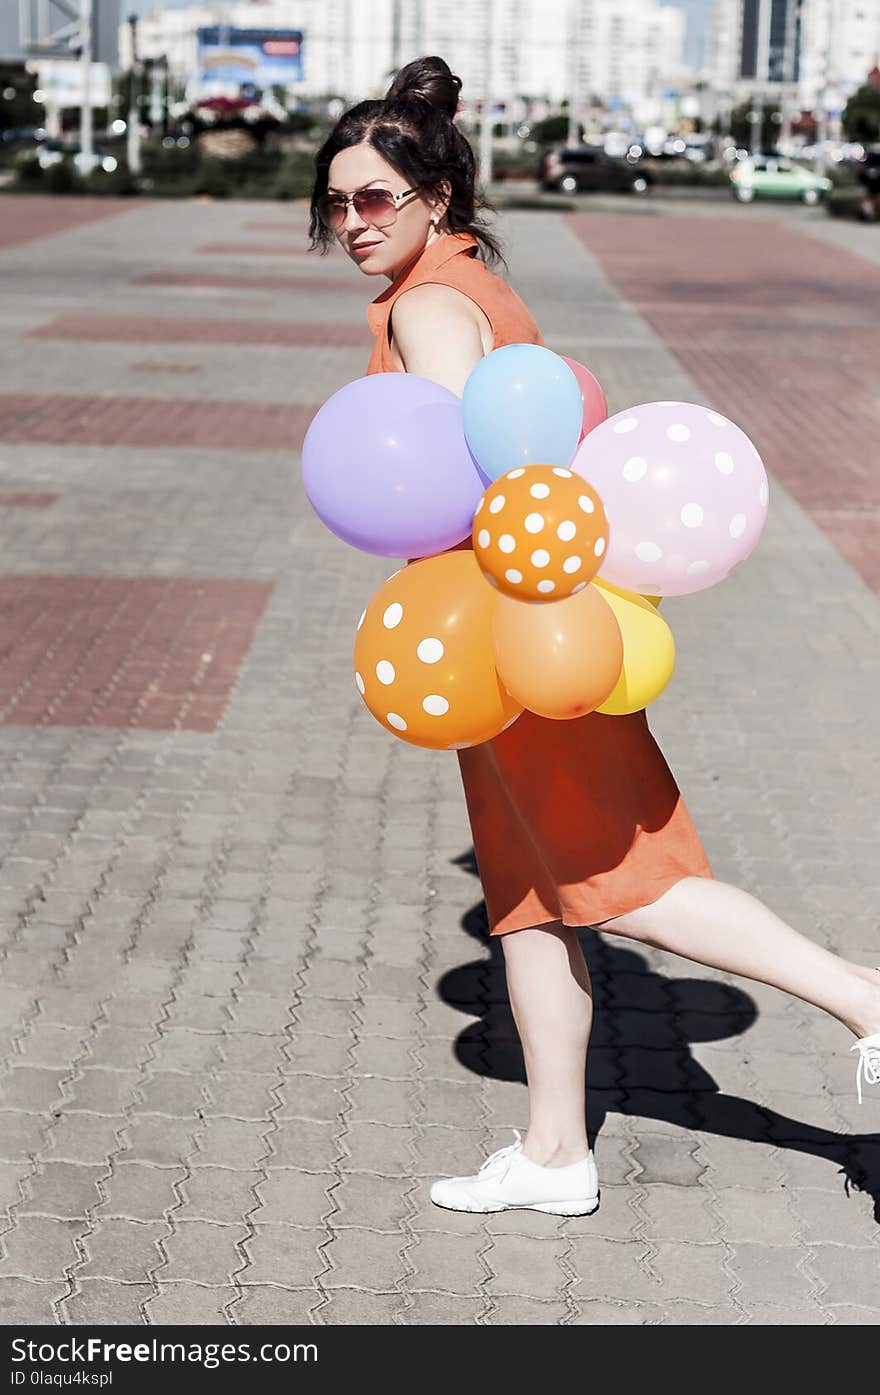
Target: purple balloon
<point x="386" y="466"/>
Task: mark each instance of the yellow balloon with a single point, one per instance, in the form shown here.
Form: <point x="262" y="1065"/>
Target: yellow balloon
<point x="619" y="591"/>
<point x="648" y="652"/>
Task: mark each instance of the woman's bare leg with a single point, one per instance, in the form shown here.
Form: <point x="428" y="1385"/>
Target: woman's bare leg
<point x="725" y="928"/>
<point x="551" y="998"/>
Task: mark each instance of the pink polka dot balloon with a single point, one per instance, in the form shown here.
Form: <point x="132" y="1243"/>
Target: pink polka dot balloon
<point x="685" y="493"/>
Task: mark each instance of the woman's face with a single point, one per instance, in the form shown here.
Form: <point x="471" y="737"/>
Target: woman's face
<point x="380" y="251"/>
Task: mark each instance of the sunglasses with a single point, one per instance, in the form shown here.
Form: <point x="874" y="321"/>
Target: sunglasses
<point x="377" y="207"/>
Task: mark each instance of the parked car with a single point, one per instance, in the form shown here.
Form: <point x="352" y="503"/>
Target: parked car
<point x="581" y="169"/>
<point x="869" y="177"/>
<point x="774" y="177"/>
<point x="53" y="152"/>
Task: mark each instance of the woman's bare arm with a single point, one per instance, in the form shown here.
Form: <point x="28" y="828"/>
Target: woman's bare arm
<point x="437" y="335"/>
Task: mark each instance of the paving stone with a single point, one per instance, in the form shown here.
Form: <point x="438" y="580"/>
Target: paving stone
<point x="368" y="1259"/>
<point x="674" y="1213"/>
<point x="775" y="1274"/>
<point x="513" y="1310"/>
<point x="762" y="1217"/>
<point x="838" y="1220"/>
<point x="771" y="1315"/>
<point x="99" y="1091"/>
<point x="260" y="1012"/>
<point x="847" y="1273"/>
<point x="596" y="1313"/>
<point x="181" y="1049"/>
<point x="124" y="1250"/>
<point x="82" y="1137"/>
<point x="285" y="1255"/>
<point x="855" y="1315"/>
<point x="181" y="1304"/>
<point x="614" y="1269"/>
<point x="519" y="1263"/>
<point x="140" y="1191"/>
<point x="381" y="1101"/>
<point x="49" y="1045"/>
<point x="310" y="1097"/>
<point x="40" y="1248"/>
<point x="11" y="1173"/>
<point x="202" y="1252"/>
<point x="728" y="1160"/>
<point x="235" y="1143"/>
<point x="103" y="1301"/>
<point x="173" y="1092"/>
<point x="26" y="1302"/>
<point x="439" y="1309"/>
<point x="267" y="1304"/>
<point x="673" y="1160"/>
<point x="388" y="1057"/>
<point x="318" y="1055"/>
<point x="287" y="1196"/>
<point x="62" y="1189"/>
<point x="21" y="1135"/>
<point x="31" y="1087"/>
<point x="154" y="1138"/>
<point x="217" y="1194"/>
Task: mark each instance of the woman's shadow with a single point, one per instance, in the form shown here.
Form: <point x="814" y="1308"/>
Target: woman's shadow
<point x="640" y="1060"/>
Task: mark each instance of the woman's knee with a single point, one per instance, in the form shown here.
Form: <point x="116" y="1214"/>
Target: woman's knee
<point x="533" y="938"/>
<point x="644" y="924"/>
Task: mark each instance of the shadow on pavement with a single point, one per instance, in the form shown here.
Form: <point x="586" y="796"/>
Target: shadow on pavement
<point x="640" y="1061"/>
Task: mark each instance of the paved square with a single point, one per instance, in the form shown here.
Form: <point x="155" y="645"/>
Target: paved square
<point x="248" y="1008"/>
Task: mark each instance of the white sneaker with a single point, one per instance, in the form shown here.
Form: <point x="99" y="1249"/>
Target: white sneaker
<point x="868" y="1066"/>
<point x="508" y="1179"/>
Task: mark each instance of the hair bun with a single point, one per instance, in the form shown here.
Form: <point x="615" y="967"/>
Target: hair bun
<point x="429" y="80"/>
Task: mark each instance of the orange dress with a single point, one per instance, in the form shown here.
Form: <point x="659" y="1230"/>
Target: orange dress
<point x="580" y="820"/>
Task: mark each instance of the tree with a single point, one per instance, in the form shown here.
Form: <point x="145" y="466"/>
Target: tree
<point x="741" y="126"/>
<point x="17" y="105"/>
<point x="861" y="115"/>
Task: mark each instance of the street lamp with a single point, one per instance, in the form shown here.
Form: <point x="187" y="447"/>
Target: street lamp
<point x="486" y="113"/>
<point x="86" y="143"/>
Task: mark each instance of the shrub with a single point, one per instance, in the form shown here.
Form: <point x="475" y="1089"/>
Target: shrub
<point x="62" y="178"/>
<point x="294" y="175"/>
<point x="115" y="184"/>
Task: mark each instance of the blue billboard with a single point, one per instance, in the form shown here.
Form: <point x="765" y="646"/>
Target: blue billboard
<point x="259" y="57"/>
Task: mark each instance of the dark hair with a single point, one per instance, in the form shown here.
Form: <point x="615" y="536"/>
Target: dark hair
<point x="412" y="128"/>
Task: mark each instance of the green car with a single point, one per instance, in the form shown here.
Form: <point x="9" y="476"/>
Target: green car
<point x="773" y="177"/>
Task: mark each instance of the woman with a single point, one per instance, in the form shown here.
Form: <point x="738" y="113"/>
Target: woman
<point x="574" y="823"/>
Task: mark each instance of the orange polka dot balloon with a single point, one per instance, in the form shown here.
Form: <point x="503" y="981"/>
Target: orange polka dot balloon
<point x="424" y="659"/>
<point x="540" y="533"/>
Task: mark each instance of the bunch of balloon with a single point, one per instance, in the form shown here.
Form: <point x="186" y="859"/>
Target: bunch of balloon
<point x="578" y="522"/>
<point x="565" y="644"/>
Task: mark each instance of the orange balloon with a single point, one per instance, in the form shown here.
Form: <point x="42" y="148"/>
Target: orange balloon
<point x="423" y="655"/>
<point x="539" y="533"/>
<point x="558" y="660"/>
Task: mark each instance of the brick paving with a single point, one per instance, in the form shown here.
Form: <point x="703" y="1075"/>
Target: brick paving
<point x="174" y="329"/>
<point x="741" y="309"/>
<point x="26" y="220"/>
<point x="248" y="1008"/>
<point x="141" y="421"/>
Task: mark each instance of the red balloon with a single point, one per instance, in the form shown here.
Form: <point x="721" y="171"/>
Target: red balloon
<point x="595" y="406"/>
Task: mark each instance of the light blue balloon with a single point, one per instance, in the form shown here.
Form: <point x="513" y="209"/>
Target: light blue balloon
<point x="521" y="405"/>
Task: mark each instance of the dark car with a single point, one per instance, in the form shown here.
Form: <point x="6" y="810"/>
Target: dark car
<point x="581" y="169"/>
<point x="868" y="175"/>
